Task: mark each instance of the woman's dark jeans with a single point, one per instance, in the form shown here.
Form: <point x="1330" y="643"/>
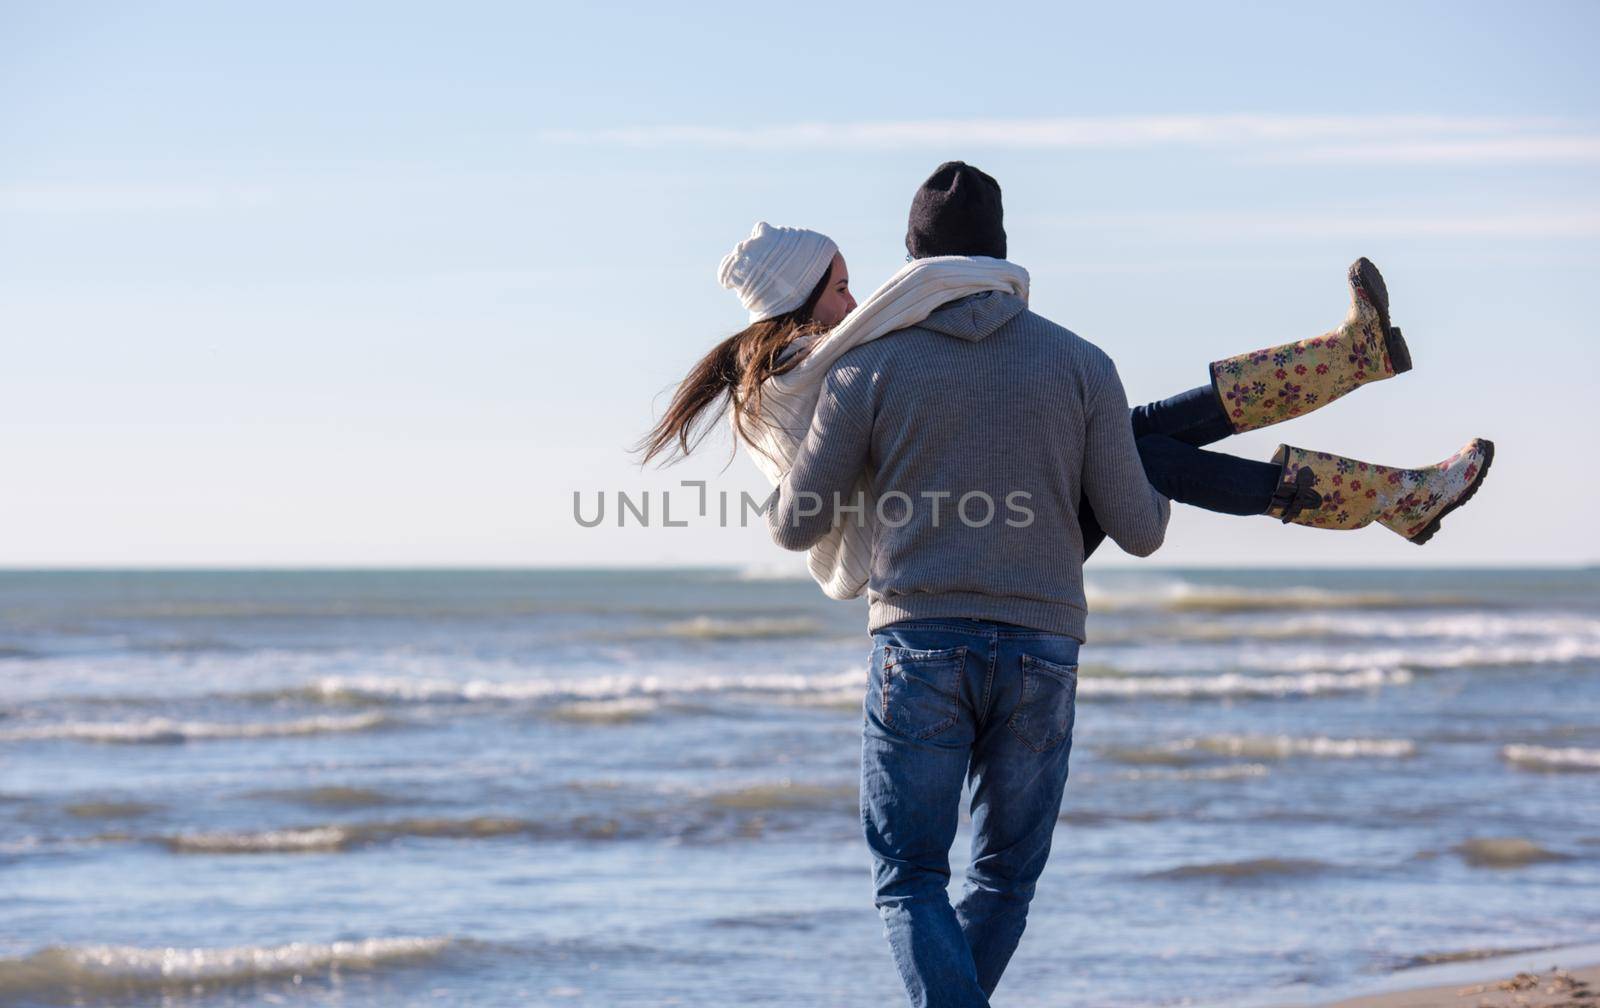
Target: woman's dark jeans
<point x="1169" y="434"/>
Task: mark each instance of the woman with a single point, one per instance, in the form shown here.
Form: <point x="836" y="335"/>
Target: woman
<point x="796" y="286"/>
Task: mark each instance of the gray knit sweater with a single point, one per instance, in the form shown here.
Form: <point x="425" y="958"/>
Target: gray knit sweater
<point x="977" y="429"/>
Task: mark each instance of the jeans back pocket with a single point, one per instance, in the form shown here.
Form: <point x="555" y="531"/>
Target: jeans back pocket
<point x="1045" y="713"/>
<point x="919" y="691"/>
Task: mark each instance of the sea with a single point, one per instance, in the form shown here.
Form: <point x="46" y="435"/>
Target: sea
<point x="615" y="788"/>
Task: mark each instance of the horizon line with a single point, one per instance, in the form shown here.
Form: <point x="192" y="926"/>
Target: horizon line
<point x="798" y="574"/>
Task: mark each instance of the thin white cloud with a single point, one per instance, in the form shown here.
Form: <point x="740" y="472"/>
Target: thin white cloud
<point x="1535" y="223"/>
<point x="1499" y="149"/>
<point x="1277" y="137"/>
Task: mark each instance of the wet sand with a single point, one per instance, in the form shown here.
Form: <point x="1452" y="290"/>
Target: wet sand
<point x="1553" y="988"/>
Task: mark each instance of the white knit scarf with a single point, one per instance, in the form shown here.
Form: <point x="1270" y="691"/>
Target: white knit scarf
<point x="840" y="562"/>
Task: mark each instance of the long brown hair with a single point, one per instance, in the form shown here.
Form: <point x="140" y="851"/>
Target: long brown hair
<point x="730" y="375"/>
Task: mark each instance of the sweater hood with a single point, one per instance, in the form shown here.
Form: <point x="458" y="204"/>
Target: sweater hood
<point x="974" y="316"/>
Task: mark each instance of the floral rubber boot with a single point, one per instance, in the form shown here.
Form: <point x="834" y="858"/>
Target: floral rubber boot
<point x="1334" y="492"/>
<point x="1268" y="386"/>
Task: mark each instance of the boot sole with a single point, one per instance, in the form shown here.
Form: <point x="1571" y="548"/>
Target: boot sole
<point x="1433" y="526"/>
<point x="1366" y="276"/>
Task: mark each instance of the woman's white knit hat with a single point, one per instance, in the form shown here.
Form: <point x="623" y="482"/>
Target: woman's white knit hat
<point x="775" y="269"/>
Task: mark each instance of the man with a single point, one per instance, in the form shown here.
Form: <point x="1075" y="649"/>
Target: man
<point x="978" y="429"/>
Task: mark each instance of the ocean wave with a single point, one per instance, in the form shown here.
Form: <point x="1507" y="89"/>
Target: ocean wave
<point x="846" y="699"/>
<point x="601" y="697"/>
<point x="104" y="970"/>
<point x="1238" y="685"/>
<point x="1557" y="652"/>
<point x="623" y="697"/>
<point x="335" y="837"/>
<point x="352" y="607"/>
<point x="1238" y="870"/>
<point x="600" y="687"/>
<point x="195" y="645"/>
<point x="622" y="710"/>
<point x="1191" y="751"/>
<point x="1465" y="955"/>
<point x="1473" y="626"/>
<point x="1137" y="667"/>
<point x="1504" y="852"/>
<point x="800" y="920"/>
<point x="1187" y="596"/>
<point x="787" y="795"/>
<point x="1154" y="667"/>
<point x="1100" y="817"/>
<point x="1263" y="661"/>
<point x="713" y="628"/>
<point x="164" y="730"/>
<point x="1532" y="757"/>
<point x="1237" y="771"/>
<point x="316" y="838"/>
<point x="689" y="799"/>
<point x="1169" y="756"/>
<point x="331" y="796"/>
<point x="1286" y="746"/>
<point x="111" y="809"/>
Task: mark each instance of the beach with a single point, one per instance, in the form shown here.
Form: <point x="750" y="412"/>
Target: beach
<point x="1553" y="988"/>
<point x="638" y="788"/>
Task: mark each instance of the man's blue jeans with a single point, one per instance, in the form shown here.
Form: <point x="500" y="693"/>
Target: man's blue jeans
<point x="948" y="700"/>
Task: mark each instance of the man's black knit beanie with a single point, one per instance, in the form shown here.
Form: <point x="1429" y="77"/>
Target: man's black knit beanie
<point x="957" y="212"/>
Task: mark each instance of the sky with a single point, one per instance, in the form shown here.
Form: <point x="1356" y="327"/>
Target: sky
<point x="387" y="284"/>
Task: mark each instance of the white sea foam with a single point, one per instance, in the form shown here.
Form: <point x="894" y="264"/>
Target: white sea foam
<point x="1537" y="628"/>
<point x="1534" y="757"/>
<point x="1557" y="652"/>
<point x="599" y="687"/>
<point x="1285" y="746"/>
<point x="1272" y="658"/>
<point x="1237" y="685"/>
<point x="842" y="687"/>
<point x="343" y="836"/>
<point x="164" y="730"/>
<point x="712" y="628"/>
<point x="622" y="710"/>
<point x="113" y="968"/>
<point x="316" y="838"/>
<point x="1188" y="596"/>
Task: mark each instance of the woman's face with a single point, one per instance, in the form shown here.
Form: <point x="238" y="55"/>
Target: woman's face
<point x="836" y="301"/>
